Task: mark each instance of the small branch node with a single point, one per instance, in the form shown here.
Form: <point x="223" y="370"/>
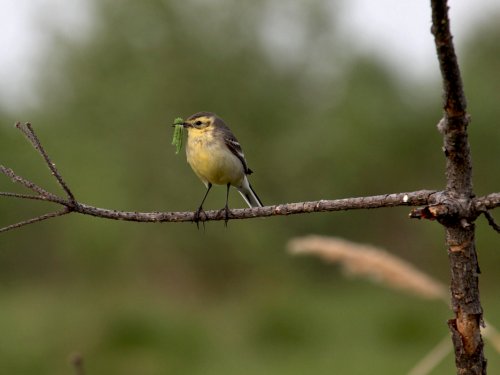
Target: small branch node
<point x="431" y="212"/>
<point x="441" y="126"/>
<point x="464" y="223"/>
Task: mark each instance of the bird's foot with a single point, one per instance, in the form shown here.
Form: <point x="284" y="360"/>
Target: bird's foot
<point x="227" y="213"/>
<point x="197" y="217"/>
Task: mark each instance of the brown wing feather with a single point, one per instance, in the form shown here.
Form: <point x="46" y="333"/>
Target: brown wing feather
<point x="233" y="144"/>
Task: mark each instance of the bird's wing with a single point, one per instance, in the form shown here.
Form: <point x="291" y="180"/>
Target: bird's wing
<point x="233" y="145"/>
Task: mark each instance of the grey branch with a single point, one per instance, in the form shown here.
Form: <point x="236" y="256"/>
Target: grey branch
<point x="28" y="131"/>
<point x="415" y="198"/>
<point x="70" y="204"/>
<point x="49" y="215"/>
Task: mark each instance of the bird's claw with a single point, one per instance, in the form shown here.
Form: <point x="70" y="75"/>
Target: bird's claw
<point x="227" y="213"/>
<point x="197" y="217"/>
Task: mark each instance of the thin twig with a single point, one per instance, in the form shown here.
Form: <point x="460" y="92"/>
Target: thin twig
<point x="28" y="131"/>
<point x="32" y="186"/>
<point x="21" y="180"/>
<point x="491" y="221"/>
<point x="23" y="196"/>
<point x="483" y="204"/>
<point x="487" y="202"/>
<point x="35" y="219"/>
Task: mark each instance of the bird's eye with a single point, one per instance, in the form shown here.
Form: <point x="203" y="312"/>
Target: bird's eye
<point x="198" y="123"/>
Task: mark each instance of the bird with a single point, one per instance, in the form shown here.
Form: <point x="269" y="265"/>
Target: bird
<point x="216" y="157"/>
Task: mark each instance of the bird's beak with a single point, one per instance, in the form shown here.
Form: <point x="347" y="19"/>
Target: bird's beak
<point x="184" y="124"/>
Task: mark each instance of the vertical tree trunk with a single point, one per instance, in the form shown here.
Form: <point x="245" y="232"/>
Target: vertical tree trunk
<point x="465" y="327"/>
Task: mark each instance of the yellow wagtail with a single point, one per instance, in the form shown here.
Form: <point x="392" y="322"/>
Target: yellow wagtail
<point x="216" y="157"/>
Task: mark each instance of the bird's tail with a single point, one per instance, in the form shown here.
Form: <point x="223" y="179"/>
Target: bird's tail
<point x="249" y="194"/>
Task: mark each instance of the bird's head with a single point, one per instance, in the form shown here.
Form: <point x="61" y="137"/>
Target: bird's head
<point x="200" y="120"/>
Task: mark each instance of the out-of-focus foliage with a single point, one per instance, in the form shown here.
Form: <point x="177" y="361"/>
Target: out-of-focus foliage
<point x="315" y="120"/>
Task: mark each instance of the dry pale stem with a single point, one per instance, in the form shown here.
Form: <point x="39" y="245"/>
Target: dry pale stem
<point x="372" y="262"/>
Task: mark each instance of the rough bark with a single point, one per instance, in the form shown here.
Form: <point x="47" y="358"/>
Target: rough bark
<point x="464" y="267"/>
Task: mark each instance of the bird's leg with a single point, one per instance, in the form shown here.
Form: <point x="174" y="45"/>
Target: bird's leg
<point x="226" y="207"/>
<point x="197" y="214"/>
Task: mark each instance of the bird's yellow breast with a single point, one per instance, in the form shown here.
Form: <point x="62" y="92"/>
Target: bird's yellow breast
<point x="211" y="160"/>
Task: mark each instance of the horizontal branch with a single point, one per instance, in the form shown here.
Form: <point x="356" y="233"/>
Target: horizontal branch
<point x="415" y="198"/>
<point x="487" y="202"/>
<point x="70" y="204"/>
<point x="427" y="198"/>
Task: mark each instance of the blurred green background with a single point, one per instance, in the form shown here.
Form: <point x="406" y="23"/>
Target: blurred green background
<point x="171" y="299"/>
